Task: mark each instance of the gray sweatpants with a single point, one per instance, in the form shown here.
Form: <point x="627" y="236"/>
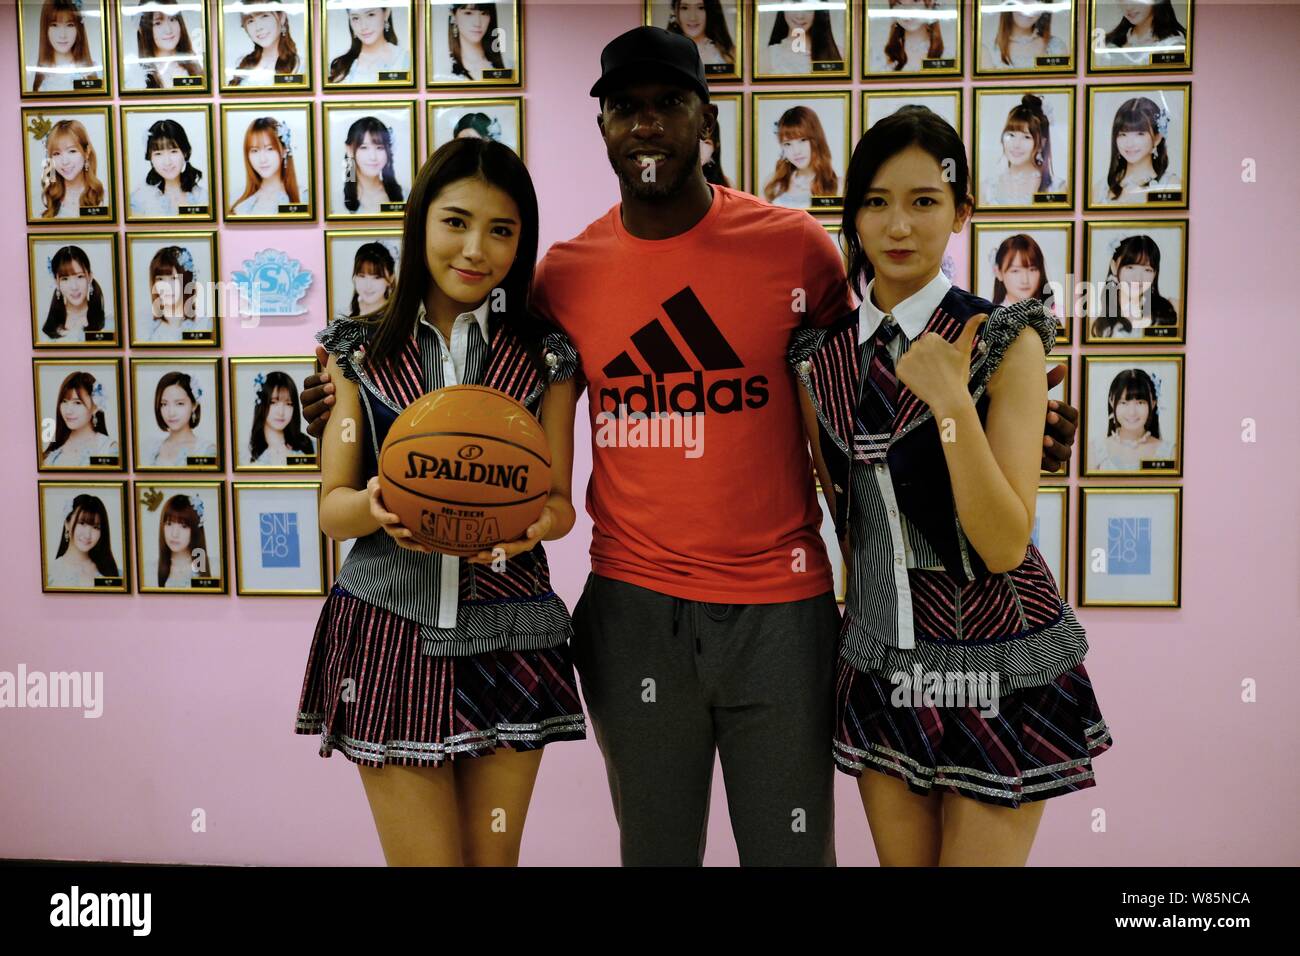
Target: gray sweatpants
<point x="668" y="682"/>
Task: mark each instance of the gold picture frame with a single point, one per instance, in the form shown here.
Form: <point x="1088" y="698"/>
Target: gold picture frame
<point x="514" y="104"/>
<point x="981" y="240"/>
<point x="189" y="85"/>
<point x="294" y="463"/>
<point x="946" y="67"/>
<point x="113" y="584"/>
<point x="917" y="94"/>
<point x="93" y="339"/>
<point x="151" y="496"/>
<point x="334" y="150"/>
<point x="433" y="18"/>
<point x="1053" y="200"/>
<point x="207" y="295"/>
<point x="1070" y="66"/>
<point x="47" y="424"/>
<point x="822" y="204"/>
<point x="38" y="123"/>
<point x="1175" y="59"/>
<point x="243" y="586"/>
<point x="1178" y="195"/>
<point x="1163" y="467"/>
<point x="713" y="72"/>
<point x="182" y="213"/>
<point x="212" y="457"/>
<point x="334" y="238"/>
<point x="1153" y="334"/>
<point x="1099" y="494"/>
<point x="304" y="210"/>
<point x="300" y="82"/>
<point x="80" y="86"/>
<point x="1061" y="492"/>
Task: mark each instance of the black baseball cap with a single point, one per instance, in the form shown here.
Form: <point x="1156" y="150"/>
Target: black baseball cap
<point x="651" y="53"/>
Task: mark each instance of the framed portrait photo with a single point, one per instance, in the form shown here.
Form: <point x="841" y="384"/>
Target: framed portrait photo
<point x="1136" y="273"/>
<point x="473" y="44"/>
<point x="802" y="39"/>
<point x="1132" y="409"/>
<point x="360" y="270"/>
<point x="1051" y="531"/>
<point x="68" y="164"/>
<point x="171" y="289"/>
<point x="1130" y="547"/>
<point x="1154" y="36"/>
<point x="1022" y="37"/>
<point x="946" y="102"/>
<point x="162" y="47"/>
<point x="84" y="542"/>
<point x="267" y="430"/>
<point x="267" y="152"/>
<point x="368" y="44"/>
<point x="801" y="149"/>
<point x="1060" y="392"/>
<point x="74" y="281"/>
<point x="720" y="153"/>
<point x="79" y="414"/>
<point x="177" y="405"/>
<point x="500" y="118"/>
<point x="167" y="163"/>
<point x="913" y="38"/>
<point x="1137" y="151"/>
<point x="62" y="48"/>
<point x="716" y="26"/>
<point x="1013" y="261"/>
<point x="180" y="533"/>
<point x="264" y="45"/>
<point x="1024" y="148"/>
<point x="369" y="158"/>
<point x="279" y="548"/>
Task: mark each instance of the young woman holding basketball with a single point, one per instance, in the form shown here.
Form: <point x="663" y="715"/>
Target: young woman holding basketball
<point x="443" y="678"/>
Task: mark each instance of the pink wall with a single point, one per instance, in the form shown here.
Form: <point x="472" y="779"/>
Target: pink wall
<point x="200" y="694"/>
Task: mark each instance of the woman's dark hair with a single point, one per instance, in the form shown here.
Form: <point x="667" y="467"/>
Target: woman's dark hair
<point x="1133" y="250"/>
<point x="896" y="46"/>
<point x="713" y="171"/>
<point x="146" y="50"/>
<point x="453" y="38"/>
<point x="341" y="65"/>
<point x="61" y="263"/>
<point x="480" y="123"/>
<point x="357" y="133"/>
<point x="180" y="510"/>
<point x="715" y="28"/>
<point x="293" y="436"/>
<point x="1136" y="384"/>
<point x="81" y="385"/>
<point x="287" y="60"/>
<point x="1136" y="115"/>
<point x="499" y="166"/>
<point x="169" y="134"/>
<point x="821" y="40"/>
<point x="910" y="126"/>
<point x="372" y="258"/>
<point x="182" y="381"/>
<point x="1164" y="23"/>
<point x="89" y="509"/>
<point x="1028" y="117"/>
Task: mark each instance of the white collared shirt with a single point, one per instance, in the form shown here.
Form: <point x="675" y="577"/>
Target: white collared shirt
<point x="453" y="352"/>
<point x="912" y="314"/>
<point x="452" y="356"/>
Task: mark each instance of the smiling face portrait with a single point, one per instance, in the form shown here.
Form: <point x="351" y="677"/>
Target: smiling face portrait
<point x="473" y="44"/>
<point x="74" y="290"/>
<point x="63" y="47"/>
<point x="264" y="44"/>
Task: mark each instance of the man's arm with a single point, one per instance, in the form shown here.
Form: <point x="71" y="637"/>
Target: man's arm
<point x="1062" y="427"/>
<point x="318" y="397"/>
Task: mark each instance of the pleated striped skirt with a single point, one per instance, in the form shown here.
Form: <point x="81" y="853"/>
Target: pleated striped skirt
<point x="372" y="695"/>
<point x="1036" y="743"/>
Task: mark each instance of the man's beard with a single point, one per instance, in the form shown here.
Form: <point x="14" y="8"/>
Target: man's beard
<point x="654" y="190"/>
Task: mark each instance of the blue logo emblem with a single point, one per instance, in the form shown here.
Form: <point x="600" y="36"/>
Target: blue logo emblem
<point x="272" y="284"/>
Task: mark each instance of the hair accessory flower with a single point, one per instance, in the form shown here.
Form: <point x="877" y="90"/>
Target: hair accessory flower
<point x="390" y="132"/>
<point x="494" y="128"/>
<point x="285" y="134"/>
<point x="185" y="259"/>
<point x="1114" y="244"/>
<point x="1162" y="121"/>
<point x="97" y="393"/>
<point x="49" y="265"/>
<point x="391" y="247"/>
<point x="198" y="508"/>
<point x="259" y="380"/>
<point x="1048" y="112"/>
<point x="71" y="507"/>
<point x="198" y="392"/>
<point x="1155" y="380"/>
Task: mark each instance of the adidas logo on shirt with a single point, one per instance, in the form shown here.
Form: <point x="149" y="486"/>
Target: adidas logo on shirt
<point x="658" y="351"/>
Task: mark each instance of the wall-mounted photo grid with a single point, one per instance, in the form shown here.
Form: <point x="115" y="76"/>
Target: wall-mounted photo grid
<point x="289" y="118"/>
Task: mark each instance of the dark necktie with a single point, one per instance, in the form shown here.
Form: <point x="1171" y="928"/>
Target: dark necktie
<point x="880" y="391"/>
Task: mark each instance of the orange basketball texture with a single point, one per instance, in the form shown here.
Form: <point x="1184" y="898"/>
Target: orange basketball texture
<point x="465" y="468"/>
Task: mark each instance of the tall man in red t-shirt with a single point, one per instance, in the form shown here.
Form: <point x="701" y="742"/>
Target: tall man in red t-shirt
<point x="708" y="624"/>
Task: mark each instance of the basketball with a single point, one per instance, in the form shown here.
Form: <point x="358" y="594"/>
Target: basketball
<point x="465" y="468"/>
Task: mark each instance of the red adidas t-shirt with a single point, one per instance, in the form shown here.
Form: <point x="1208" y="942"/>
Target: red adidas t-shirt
<point x="712" y="498"/>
